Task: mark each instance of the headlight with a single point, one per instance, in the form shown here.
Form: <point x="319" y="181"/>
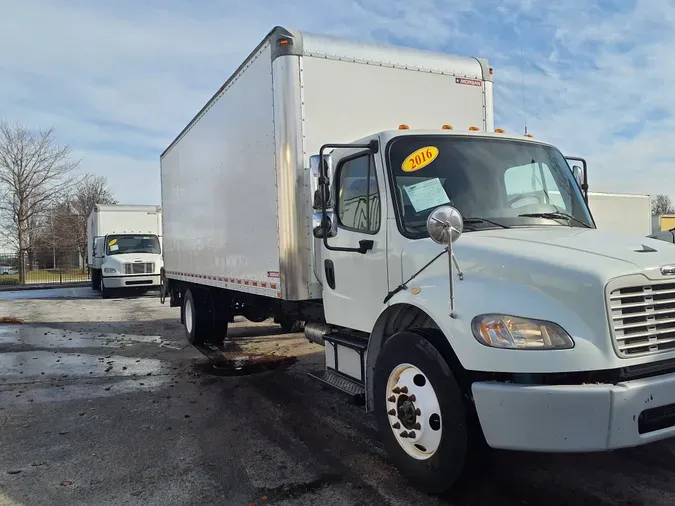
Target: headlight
<point x="109" y="270"/>
<point x="503" y="331"/>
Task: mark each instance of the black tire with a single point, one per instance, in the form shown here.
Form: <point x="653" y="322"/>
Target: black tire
<point x="438" y="473"/>
<point x="106" y="293"/>
<point x="96" y="279"/>
<point x="198" y="322"/>
<point x="221" y="321"/>
<point x="290" y="326"/>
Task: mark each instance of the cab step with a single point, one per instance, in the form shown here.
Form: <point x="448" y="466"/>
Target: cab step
<point x="355" y="390"/>
<point x="345" y="363"/>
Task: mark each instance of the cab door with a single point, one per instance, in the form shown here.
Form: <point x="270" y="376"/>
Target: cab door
<point x="355" y="284"/>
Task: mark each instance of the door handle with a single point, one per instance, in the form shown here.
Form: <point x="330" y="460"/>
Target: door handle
<point x="365" y="245"/>
<point x="330" y="273"/>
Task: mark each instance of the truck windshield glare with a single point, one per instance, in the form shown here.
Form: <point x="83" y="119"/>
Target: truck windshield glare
<point x="120" y="244"/>
<point x="499" y="183"/>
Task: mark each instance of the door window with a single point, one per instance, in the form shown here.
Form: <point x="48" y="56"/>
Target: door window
<point x="358" y="203"/>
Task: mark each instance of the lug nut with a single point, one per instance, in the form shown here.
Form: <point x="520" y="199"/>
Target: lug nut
<point x="392" y="412"/>
<point x="418" y="412"/>
<point x="396" y="390"/>
<point x="418" y="426"/>
<point x="404" y="390"/>
<point x="403" y="434"/>
<point x="412" y="398"/>
<point x="411" y="434"/>
<point x="396" y="426"/>
<point x="392" y="399"/>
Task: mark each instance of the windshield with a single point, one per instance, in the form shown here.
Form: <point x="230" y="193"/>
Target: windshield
<point x="497" y="180"/>
<point x="118" y="244"/>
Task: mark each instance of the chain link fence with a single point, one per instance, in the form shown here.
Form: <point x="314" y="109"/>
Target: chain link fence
<point x="42" y="268"/>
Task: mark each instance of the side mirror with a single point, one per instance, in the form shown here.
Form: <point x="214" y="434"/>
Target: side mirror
<point x="445" y="224"/>
<point x="328" y="227"/>
<point x="578" y="175"/>
<point x="327" y="165"/>
<point x="316" y="172"/>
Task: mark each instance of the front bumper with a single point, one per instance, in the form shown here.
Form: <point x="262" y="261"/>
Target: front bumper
<point x="576" y="418"/>
<point x="136" y="281"/>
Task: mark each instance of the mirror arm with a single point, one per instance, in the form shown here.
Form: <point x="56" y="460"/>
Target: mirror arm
<point x="324" y="182"/>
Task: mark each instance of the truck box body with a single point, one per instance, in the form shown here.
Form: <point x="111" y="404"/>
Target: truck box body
<point x="622" y="213"/>
<point x="236" y="185"/>
<point x="116" y="219"/>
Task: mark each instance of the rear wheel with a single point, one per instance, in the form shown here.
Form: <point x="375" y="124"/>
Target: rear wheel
<point x="96" y="279"/>
<point x="420" y="412"/>
<point x="203" y="321"/>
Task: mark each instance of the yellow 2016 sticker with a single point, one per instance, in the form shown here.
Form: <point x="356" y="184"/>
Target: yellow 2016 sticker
<point x="420" y="159"/>
<point x="113" y="242"/>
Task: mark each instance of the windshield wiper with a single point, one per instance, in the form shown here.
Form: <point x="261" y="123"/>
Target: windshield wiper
<point x="475" y="219"/>
<point x="555" y="216"/>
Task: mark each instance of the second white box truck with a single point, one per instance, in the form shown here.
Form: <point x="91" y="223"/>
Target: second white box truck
<point x="125" y="247"/>
<point x="426" y="252"/>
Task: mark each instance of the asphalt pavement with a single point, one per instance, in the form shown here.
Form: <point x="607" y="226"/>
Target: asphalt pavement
<point x="103" y="402"/>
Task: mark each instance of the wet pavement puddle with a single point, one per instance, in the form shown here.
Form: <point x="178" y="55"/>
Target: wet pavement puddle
<point x="48" y="337"/>
<point x="30" y="366"/>
<point x="67" y="392"/>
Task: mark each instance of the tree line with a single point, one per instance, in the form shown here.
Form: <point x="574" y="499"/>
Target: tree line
<point x="44" y="199"/>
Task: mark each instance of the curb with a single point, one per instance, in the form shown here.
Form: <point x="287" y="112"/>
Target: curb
<point x="43" y="286"/>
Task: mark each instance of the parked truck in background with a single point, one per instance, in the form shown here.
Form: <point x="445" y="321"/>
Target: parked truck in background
<point x="124" y="248"/>
<point x="626" y="214"/>
<point x="453" y="273"/>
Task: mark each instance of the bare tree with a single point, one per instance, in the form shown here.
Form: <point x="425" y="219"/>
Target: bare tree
<point x="661" y="204"/>
<point x="93" y="190"/>
<point x="34" y="172"/>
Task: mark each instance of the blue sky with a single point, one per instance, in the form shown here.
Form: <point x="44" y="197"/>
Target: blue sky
<point x="120" y="79"/>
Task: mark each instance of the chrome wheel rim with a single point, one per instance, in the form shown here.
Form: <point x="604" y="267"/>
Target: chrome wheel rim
<point x="414" y="411"/>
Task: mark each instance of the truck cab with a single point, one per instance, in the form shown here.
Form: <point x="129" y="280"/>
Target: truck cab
<point x="468" y="283"/>
<point x="128" y="261"/>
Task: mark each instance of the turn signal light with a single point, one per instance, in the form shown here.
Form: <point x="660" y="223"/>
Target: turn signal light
<point x="446" y="127"/>
<point x="474" y="129"/>
<point x="403" y="127"/>
<point x="499" y="131"/>
<point x="530" y="136"/>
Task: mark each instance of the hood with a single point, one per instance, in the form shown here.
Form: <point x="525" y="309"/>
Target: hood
<point x="565" y="253"/>
<point x="129" y="258"/>
<point x="589" y="248"/>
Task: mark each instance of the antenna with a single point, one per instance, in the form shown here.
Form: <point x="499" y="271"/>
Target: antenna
<point x="522" y="83"/>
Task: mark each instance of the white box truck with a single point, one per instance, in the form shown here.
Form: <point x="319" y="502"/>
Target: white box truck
<point x="621" y="213"/>
<point x="125" y="246"/>
<point x="363" y="189"/>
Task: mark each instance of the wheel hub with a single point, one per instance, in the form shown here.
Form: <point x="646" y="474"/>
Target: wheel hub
<point x="414" y="411"/>
<point x="406" y="412"/>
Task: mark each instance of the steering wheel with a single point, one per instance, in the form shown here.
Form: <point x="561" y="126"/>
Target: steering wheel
<point x="522" y="196"/>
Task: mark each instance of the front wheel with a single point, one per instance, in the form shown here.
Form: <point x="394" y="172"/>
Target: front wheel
<point x="420" y="412"/>
<point x="106" y="293"/>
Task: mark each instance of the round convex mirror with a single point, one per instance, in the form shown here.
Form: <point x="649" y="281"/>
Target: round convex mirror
<point x="445" y="224"/>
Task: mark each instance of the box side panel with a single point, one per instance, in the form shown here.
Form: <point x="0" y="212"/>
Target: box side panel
<point x="347" y="100"/>
<point x="219" y="189"/>
<point x="621" y="214"/>
<point x="91" y="233"/>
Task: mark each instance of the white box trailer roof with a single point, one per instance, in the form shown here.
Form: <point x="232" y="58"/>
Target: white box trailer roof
<point x="621" y="213"/>
<point x="236" y="186"/>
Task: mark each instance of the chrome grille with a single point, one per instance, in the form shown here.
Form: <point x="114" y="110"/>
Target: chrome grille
<point x="643" y="318"/>
<point x="139" y="268"/>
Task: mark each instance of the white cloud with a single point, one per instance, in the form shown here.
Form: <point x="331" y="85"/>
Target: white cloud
<point x="120" y="80"/>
